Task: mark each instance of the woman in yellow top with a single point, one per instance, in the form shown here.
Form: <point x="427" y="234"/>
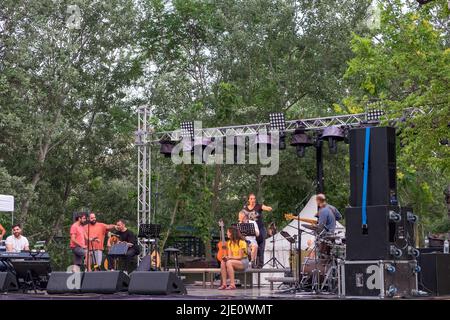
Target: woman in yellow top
<point x="235" y="260"/>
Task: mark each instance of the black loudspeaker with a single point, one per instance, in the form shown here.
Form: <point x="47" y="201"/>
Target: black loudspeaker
<point x="8" y="282"/>
<point x="155" y="282"/>
<point x="389" y="234"/>
<point x="105" y="282"/>
<point x="382" y="174"/>
<point x="435" y="274"/>
<point x="65" y="282"/>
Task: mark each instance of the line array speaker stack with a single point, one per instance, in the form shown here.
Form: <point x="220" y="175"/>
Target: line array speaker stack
<point x="380" y="254"/>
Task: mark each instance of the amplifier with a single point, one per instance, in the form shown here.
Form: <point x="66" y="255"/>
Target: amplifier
<point x="378" y="279"/>
<point x="435" y="275"/>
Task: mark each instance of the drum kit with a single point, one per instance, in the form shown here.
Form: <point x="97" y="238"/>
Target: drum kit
<point x="318" y="273"/>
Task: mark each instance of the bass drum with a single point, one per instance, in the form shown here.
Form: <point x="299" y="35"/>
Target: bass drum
<point x="310" y="265"/>
<point x="313" y="269"/>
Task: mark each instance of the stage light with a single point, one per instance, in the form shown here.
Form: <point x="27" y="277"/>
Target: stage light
<point x="375" y="115"/>
<point x="333" y="135"/>
<point x="187" y="129"/>
<point x="278" y="122"/>
<point x="167" y="147"/>
<point x="301" y="140"/>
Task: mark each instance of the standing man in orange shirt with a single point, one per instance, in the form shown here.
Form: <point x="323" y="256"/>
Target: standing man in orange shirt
<point x="78" y="242"/>
<point x="96" y="232"/>
<point x="2" y="232"/>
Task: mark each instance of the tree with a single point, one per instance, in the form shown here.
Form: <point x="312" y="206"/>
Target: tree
<point x="403" y="65"/>
<point x="65" y="68"/>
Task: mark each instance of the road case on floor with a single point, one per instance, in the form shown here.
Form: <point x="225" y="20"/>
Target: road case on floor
<point x="378" y="278"/>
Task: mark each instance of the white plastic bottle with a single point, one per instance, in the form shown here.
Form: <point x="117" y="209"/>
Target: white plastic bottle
<point x="446" y="246"/>
<point x="427" y="242"/>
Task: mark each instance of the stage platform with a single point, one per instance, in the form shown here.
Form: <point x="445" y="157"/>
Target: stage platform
<point x="197" y="293"/>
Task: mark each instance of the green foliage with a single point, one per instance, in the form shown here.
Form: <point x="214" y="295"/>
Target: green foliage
<point x="406" y="64"/>
<point x="68" y="98"/>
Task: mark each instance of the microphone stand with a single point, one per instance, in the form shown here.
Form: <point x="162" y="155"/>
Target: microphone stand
<point x="88" y="257"/>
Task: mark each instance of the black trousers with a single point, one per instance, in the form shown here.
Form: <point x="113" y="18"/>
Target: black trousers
<point x="261" y="240"/>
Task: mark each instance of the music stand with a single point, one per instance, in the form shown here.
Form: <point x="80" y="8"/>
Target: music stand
<point x="33" y="273"/>
<point x="275" y="262"/>
<point x="247" y="229"/>
<point x="118" y="250"/>
<point x="149" y="230"/>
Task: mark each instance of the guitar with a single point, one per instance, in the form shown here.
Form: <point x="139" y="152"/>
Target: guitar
<point x="290" y="216"/>
<point x="222" y="249"/>
<point x="155" y="260"/>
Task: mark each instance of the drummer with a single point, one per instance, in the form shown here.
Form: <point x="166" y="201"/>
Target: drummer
<point x="326" y="216"/>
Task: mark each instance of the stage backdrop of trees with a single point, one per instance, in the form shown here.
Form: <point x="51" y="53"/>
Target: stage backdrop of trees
<point x="73" y="72"/>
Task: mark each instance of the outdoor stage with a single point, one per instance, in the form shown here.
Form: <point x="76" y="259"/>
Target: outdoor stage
<point x="199" y="293"/>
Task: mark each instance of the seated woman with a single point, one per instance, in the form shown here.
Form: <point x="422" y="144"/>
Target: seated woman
<point x="235" y="260"/>
<point x="251" y="240"/>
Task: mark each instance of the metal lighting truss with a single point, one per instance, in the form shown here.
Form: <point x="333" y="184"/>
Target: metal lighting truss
<point x="145" y="137"/>
<point x="144" y="174"/>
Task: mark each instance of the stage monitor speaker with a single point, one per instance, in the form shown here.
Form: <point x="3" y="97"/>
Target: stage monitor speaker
<point x="389" y="234"/>
<point x="65" y="282"/>
<point x="155" y="283"/>
<point x="8" y="282"/>
<point x="435" y="275"/>
<point x="105" y="282"/>
<point x="382" y="174"/>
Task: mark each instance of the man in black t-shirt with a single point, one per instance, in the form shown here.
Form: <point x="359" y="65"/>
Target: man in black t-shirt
<point x="127" y="236"/>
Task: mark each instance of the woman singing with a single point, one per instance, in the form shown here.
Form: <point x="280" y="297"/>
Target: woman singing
<point x="255" y="212"/>
<point x="235" y="260"/>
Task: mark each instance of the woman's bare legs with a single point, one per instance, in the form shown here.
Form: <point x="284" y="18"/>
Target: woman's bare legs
<point x="232" y="265"/>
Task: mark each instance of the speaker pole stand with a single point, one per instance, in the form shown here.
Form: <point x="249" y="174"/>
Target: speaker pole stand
<point x="275" y="262"/>
<point x="319" y="166"/>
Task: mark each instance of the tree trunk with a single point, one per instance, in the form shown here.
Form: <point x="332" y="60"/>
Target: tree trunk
<point x="68" y="187"/>
<point x="43" y="150"/>
<point x="172" y="221"/>
<point x="58" y="224"/>
<point x="44" y="147"/>
<point x="447" y="199"/>
<point x="214" y="207"/>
